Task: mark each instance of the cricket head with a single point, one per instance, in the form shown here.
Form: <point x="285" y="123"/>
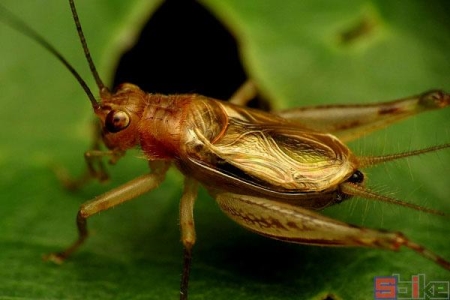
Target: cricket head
<point x="354" y="185"/>
<point x="119" y="114"/>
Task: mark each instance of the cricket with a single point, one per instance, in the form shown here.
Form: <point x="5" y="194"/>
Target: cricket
<point x="270" y="172"/>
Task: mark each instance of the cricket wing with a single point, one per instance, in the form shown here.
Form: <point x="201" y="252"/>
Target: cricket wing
<point x="277" y="154"/>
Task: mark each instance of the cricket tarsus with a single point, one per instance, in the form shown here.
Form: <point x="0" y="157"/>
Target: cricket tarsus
<point x="60" y="257"/>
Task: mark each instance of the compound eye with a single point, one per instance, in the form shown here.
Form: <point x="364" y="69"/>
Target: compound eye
<point x="356" y="177"/>
<point x="117" y="120"/>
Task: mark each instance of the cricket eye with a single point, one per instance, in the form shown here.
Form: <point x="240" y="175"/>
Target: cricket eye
<point x="356" y="177"/>
<point x="117" y="120"/>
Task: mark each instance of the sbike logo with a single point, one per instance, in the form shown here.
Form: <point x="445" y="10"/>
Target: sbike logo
<point x="392" y="288"/>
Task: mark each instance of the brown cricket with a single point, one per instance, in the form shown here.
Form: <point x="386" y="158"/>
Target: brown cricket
<point x="268" y="171"/>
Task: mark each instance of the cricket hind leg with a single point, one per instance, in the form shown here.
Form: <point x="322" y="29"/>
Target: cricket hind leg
<point x="295" y="224"/>
<point x="349" y="122"/>
<point x="126" y="192"/>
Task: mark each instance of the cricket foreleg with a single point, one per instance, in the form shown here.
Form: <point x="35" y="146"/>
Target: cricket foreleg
<point x="128" y="191"/>
<point x="94" y="163"/>
<point x="294" y="224"/>
<point x="187" y="231"/>
<point x="95" y="169"/>
<point x="349" y="122"/>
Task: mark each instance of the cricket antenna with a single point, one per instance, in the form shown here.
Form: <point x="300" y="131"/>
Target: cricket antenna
<point x="359" y="191"/>
<point x="101" y="86"/>
<point x="16" y="23"/>
<point x="367" y="161"/>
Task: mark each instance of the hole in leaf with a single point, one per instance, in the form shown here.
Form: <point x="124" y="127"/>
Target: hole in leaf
<point x="183" y="49"/>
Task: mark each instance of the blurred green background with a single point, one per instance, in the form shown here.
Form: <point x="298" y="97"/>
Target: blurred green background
<point x="300" y="53"/>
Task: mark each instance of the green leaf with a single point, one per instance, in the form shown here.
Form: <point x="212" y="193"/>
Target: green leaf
<point x="300" y="53"/>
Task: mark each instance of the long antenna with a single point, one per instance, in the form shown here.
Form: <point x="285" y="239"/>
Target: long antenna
<point x="16" y="23"/>
<point x="366" y="161"/>
<point x="355" y="190"/>
<point x="101" y="86"/>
